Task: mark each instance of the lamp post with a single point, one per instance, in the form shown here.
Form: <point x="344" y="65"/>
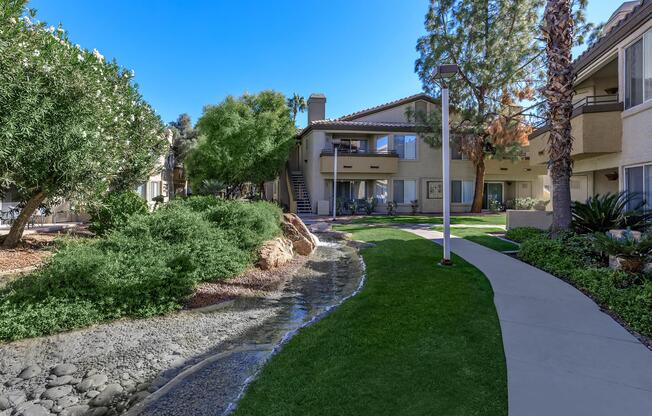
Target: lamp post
<point x="444" y="72"/>
<point x="335" y="143"/>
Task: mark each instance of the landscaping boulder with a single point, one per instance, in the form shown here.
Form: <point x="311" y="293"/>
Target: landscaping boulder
<point x="274" y="253"/>
<point x="303" y="241"/>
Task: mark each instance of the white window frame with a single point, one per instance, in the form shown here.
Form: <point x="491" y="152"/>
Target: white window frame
<point x="416" y="146"/>
<point x="416" y="190"/>
<point x="646" y="197"/>
<point x="150" y="188"/>
<point x="462" y="201"/>
<point x="644" y="38"/>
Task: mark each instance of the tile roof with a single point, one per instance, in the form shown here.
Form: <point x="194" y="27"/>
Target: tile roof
<point x="381" y="107"/>
<point x="338" y="124"/>
<point x="637" y="17"/>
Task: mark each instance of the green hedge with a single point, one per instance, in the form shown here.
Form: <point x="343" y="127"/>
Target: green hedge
<point x="573" y="258"/>
<point x="147" y="267"/>
<point x="521" y="234"/>
<point x="115" y="210"/>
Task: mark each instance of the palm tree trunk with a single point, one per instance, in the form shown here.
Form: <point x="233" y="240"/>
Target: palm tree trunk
<point x="18" y="227"/>
<point x="558" y="32"/>
<point x="478" y="193"/>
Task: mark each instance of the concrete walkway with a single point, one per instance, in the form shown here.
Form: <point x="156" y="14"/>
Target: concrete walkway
<point x="564" y="356"/>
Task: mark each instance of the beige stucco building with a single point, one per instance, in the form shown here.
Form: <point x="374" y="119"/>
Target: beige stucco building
<point x="381" y="156"/>
<point x="612" y="119"/>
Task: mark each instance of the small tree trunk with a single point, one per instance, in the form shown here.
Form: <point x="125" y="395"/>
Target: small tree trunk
<point x="478" y="193"/>
<point x="262" y="191"/>
<point x="17" y="228"/>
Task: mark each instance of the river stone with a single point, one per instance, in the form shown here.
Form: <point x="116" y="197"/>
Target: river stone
<point x="35" y="410"/>
<point x="4" y="403"/>
<point x="92" y="393"/>
<point x="105" y="397"/>
<point x="78" y="410"/>
<point x="47" y="404"/>
<point x="16" y="397"/>
<point x="92" y="382"/>
<point x="67" y="401"/>
<point x="55" y="393"/>
<point x="99" y="411"/>
<point x="30" y="371"/>
<point x="64" y="369"/>
<point x="60" y="381"/>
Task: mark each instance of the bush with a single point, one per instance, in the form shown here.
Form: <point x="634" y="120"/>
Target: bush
<point x="521" y="234"/>
<point x="573" y="258"/>
<point x="147" y="267"/>
<point x="610" y="211"/>
<point x="115" y="210"/>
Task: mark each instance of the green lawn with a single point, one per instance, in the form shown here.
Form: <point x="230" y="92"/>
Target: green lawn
<point x="489" y="219"/>
<point x="482" y="236"/>
<point x="420" y="339"/>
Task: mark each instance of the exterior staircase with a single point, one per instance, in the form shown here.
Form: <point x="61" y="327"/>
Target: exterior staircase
<point x="301" y="193"/>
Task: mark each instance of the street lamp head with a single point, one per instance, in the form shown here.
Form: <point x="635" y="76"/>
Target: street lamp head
<point x="446" y="71"/>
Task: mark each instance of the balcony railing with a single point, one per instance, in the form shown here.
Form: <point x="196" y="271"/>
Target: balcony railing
<point x="341" y="152"/>
<point x="537" y="116"/>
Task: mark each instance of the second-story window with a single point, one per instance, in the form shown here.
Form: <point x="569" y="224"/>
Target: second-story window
<point x="406" y="146"/>
<point x="382" y="144"/>
<point x="638" y="71"/>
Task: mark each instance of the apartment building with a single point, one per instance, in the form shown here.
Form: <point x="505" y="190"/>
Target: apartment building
<point x="382" y="156"/>
<point x="612" y="117"/>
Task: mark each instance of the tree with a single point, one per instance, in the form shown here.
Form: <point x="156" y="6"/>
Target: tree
<point x="242" y="140"/>
<point x="494" y="43"/>
<point x="558" y="28"/>
<point x="72" y="126"/>
<point x="297" y="104"/>
<point x="184" y="139"/>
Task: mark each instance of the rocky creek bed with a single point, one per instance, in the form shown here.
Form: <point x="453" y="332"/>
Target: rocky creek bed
<point x="196" y="362"/>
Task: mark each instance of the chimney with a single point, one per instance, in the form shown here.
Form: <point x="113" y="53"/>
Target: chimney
<point x="316" y="107"/>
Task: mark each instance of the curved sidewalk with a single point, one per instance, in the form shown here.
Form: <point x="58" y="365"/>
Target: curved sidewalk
<point x="564" y="356"/>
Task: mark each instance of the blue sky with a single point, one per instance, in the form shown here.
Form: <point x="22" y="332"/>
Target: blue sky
<point x="189" y="53"/>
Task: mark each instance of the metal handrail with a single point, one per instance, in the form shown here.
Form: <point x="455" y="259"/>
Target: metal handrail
<point x="537" y="117"/>
<point x="341" y="152"/>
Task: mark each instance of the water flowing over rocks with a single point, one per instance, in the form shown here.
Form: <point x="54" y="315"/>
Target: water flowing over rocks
<point x="111" y="368"/>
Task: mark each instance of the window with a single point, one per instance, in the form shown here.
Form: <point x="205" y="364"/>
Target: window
<point x="638" y="181"/>
<point x="638" y="71"/>
<point x="405" y="191"/>
<point x="353" y="145"/>
<point x="382" y="144"/>
<point x="154" y="189"/>
<point x="456" y="153"/>
<point x="380" y="191"/>
<point x="140" y="190"/>
<point x="462" y="192"/>
<point x="406" y="147"/>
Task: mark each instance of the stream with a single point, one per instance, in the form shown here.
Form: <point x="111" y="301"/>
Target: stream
<point x="216" y="381"/>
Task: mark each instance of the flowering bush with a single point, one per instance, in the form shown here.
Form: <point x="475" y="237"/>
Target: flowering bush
<point x="72" y="124"/>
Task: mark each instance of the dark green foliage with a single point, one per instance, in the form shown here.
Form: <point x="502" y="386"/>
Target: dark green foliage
<point x="115" y="210"/>
<point x="627" y="246"/>
<point x="522" y="234"/>
<point x="147" y="267"/>
<point x="571" y="257"/>
<point x="610" y="211"/>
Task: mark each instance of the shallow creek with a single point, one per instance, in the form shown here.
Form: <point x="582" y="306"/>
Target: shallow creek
<point x="216" y="380"/>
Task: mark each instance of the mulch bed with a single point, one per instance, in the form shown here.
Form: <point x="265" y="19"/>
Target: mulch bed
<point x="252" y="283"/>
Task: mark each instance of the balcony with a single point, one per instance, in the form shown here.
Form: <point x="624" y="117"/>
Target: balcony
<point x="596" y="128"/>
<point x="359" y="162"/>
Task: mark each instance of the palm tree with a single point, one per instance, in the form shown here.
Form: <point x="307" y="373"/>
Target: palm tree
<point x="558" y="31"/>
<point x="297" y="104"/>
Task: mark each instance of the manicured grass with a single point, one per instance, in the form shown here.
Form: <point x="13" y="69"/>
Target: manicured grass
<point x="420" y="339"/>
<point x="482" y="237"/>
<point x="489" y="219"/>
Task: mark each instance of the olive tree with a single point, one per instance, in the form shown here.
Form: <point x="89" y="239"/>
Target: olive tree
<point x="72" y="124"/>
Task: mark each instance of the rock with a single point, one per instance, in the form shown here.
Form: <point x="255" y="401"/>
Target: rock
<point x="92" y="382"/>
<point x="303" y="241"/>
<point x="60" y="381"/>
<point x="4" y="403"/>
<point x="15" y="398"/>
<point x="92" y="393"/>
<point x="319" y="227"/>
<point x="55" y="393"/>
<point x="107" y="395"/>
<point x="30" y="371"/>
<point x="303" y="246"/>
<point x="78" y="410"/>
<point x="301" y="227"/>
<point x="129" y="385"/>
<point x="140" y="396"/>
<point x="68" y="401"/>
<point x="47" y="404"/>
<point x="99" y="411"/>
<point x="13" y="382"/>
<point x="125" y="376"/>
<point x="56" y="409"/>
<point x="274" y="253"/>
<point x="142" y="386"/>
<point x="35" y="410"/>
<point x="63" y="369"/>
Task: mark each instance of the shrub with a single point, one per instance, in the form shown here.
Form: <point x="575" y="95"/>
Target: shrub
<point x="610" y="211"/>
<point x="573" y="258"/>
<point x="148" y="266"/>
<point x="115" y="210"/>
<point x="522" y="234"/>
